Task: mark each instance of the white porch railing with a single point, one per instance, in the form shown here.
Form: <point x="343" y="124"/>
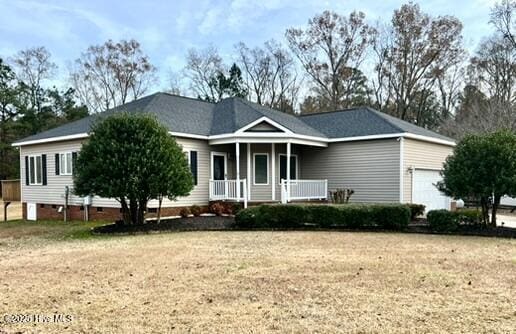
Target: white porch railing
<point x="295" y="190"/>
<point x="222" y="190"/>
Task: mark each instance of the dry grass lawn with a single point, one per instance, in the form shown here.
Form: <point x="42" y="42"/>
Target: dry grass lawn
<point x="255" y="282"/>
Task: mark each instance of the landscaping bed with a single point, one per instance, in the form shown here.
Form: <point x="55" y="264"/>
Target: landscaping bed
<point x="211" y="223"/>
<point x="467" y="230"/>
<point x="227" y="224"/>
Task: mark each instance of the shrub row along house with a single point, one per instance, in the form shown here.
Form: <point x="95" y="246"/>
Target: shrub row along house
<point x="242" y="151"/>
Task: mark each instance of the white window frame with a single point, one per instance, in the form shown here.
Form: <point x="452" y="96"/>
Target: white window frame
<point x="34" y="182"/>
<point x="62" y="168"/>
<point x="279" y="166"/>
<point x="254" y="169"/>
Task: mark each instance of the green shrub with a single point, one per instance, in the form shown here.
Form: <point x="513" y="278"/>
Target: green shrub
<point x="470" y="216"/>
<point x="325" y="216"/>
<point x="195" y="210"/>
<point x="416" y="210"/>
<point x="391" y="217"/>
<point x="236" y="207"/>
<point x="354" y="216"/>
<point x="443" y="220"/>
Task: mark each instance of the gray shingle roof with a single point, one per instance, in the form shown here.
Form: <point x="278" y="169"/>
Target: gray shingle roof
<point x="363" y="121"/>
<point x="193" y="116"/>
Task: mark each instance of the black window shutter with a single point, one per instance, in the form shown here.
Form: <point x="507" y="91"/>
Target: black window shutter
<point x="26" y="170"/>
<point x="74" y="160"/>
<point x="57" y="163"/>
<point x="193" y="165"/>
<point x="44" y="168"/>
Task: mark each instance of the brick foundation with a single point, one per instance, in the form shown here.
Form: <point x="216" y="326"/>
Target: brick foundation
<point x="75" y="212"/>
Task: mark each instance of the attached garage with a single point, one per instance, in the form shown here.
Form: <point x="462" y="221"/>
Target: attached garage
<point x="423" y="162"/>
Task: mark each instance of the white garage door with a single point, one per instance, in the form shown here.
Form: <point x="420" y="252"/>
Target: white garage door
<point x="425" y="192"/>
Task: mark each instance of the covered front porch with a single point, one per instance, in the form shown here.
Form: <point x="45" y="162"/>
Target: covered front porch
<point x="261" y="172"/>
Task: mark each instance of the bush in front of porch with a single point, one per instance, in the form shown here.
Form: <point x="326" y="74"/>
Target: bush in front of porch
<point x="387" y="216"/>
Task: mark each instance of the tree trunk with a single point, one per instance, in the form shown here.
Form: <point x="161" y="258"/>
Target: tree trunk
<point x="133" y="206"/>
<point x="485" y="210"/>
<point x="496" y="204"/>
<point x="160" y="200"/>
<point x="142" y="207"/>
<point x="126" y="215"/>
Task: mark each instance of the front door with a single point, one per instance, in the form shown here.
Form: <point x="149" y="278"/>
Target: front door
<point x="219" y="174"/>
<point x="219" y="166"/>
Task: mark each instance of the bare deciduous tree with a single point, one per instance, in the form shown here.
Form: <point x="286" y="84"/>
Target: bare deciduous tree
<point x="201" y="67"/>
<point x="494" y="69"/>
<point x="502" y="18"/>
<point x="331" y="49"/>
<point x="33" y="66"/>
<point x="270" y="74"/>
<point x="111" y="74"/>
<point x="414" y="54"/>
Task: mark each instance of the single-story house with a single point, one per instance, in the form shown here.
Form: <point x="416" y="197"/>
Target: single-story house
<point x="245" y="152"/>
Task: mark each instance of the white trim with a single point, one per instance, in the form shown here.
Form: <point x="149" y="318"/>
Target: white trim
<point x="429" y="139"/>
<point x="289" y="152"/>
<point x="393" y="135"/>
<point x="22" y="177"/>
<point x="225" y="155"/>
<point x="261" y="120"/>
<point x="279" y="165"/>
<point x="248" y="153"/>
<point x="254" y="169"/>
<point x="402" y="167"/>
<point x="273" y="171"/>
<point x="51" y="139"/>
<point x="188" y="135"/>
<point x="28" y="169"/>
<point x="267" y="140"/>
<point x="237" y="153"/>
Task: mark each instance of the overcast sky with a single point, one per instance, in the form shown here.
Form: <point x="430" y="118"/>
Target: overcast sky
<point x="167" y="29"/>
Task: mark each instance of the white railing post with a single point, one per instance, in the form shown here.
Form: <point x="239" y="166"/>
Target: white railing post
<point x="325" y="189"/>
<point x="245" y="192"/>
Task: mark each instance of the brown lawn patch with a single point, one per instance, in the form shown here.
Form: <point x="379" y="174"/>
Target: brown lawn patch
<point x="257" y="282"/>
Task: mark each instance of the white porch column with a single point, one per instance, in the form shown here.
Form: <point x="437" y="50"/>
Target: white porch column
<point x="273" y="171"/>
<point x="237" y="152"/>
<point x="288" y="171"/>
<point x="249" y="171"/>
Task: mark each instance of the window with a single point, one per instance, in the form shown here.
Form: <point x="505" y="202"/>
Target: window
<point x="65" y="163"/>
<point x="35" y="170"/>
<point x="261" y="170"/>
<point x="193" y="165"/>
<point x="283" y="167"/>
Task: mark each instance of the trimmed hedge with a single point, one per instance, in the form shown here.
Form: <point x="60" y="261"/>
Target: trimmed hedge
<point x="443" y="220"/>
<point x="448" y="221"/>
<point x="392" y="217"/>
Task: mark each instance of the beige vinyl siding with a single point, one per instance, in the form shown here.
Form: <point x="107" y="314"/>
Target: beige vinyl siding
<point x="422" y="155"/>
<point x="53" y="192"/>
<point x="370" y="168"/>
